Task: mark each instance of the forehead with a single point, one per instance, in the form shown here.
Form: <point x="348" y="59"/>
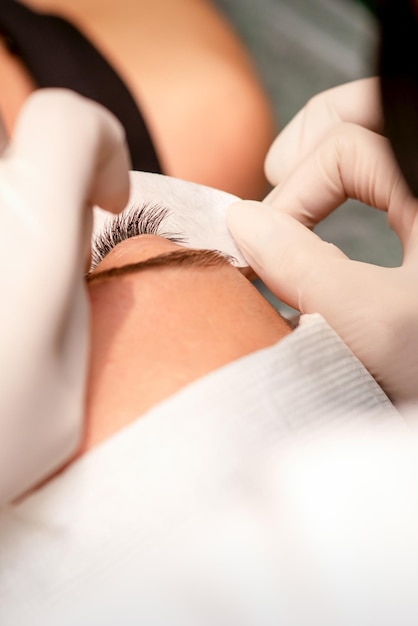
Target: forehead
<point x="195" y="211"/>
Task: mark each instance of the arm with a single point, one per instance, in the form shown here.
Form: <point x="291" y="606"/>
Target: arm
<point x="67" y="154"/>
<point x="191" y="76"/>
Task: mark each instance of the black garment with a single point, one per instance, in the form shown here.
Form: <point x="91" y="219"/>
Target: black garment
<point x="56" y="54"/>
<point x="399" y="83"/>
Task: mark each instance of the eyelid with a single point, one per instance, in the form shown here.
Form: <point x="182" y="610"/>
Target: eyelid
<point x="145" y="219"/>
<point x="196" y="214"/>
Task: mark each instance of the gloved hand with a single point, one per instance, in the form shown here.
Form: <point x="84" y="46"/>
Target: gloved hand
<point x="330" y="151"/>
<point x="67" y="154"/>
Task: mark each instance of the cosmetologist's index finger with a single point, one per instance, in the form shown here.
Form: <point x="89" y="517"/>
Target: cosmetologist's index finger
<point x="350" y="162"/>
<point x="357" y="102"/>
<point x="76" y="145"/>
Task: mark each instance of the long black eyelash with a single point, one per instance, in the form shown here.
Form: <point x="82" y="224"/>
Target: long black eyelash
<point x="146" y="219"/>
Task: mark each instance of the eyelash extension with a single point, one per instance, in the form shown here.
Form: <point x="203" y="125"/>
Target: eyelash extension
<point x="146" y="219"/>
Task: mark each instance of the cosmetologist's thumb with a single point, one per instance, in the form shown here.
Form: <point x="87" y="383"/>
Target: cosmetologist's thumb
<point x="300" y="268"/>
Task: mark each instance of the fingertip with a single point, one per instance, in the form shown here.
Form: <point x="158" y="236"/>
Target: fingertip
<point x="251" y="225"/>
<point x="239" y="209"/>
<point x="112" y="186"/>
<point x="242" y="217"/>
<point x="272" y="163"/>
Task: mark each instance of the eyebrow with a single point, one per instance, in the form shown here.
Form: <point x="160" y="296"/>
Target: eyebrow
<point x="188" y="257"/>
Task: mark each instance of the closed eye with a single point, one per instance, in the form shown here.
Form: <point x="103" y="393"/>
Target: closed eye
<point x="146" y="219"/>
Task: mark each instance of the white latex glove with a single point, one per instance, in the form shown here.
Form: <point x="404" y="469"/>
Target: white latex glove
<point x="67" y="154"/>
<point x="330" y="151"/>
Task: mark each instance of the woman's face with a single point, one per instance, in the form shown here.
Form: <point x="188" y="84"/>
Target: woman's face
<point x="166" y="316"/>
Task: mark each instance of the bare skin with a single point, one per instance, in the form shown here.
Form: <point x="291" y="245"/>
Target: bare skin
<point x="207" y="111"/>
<point x="155" y="331"/>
